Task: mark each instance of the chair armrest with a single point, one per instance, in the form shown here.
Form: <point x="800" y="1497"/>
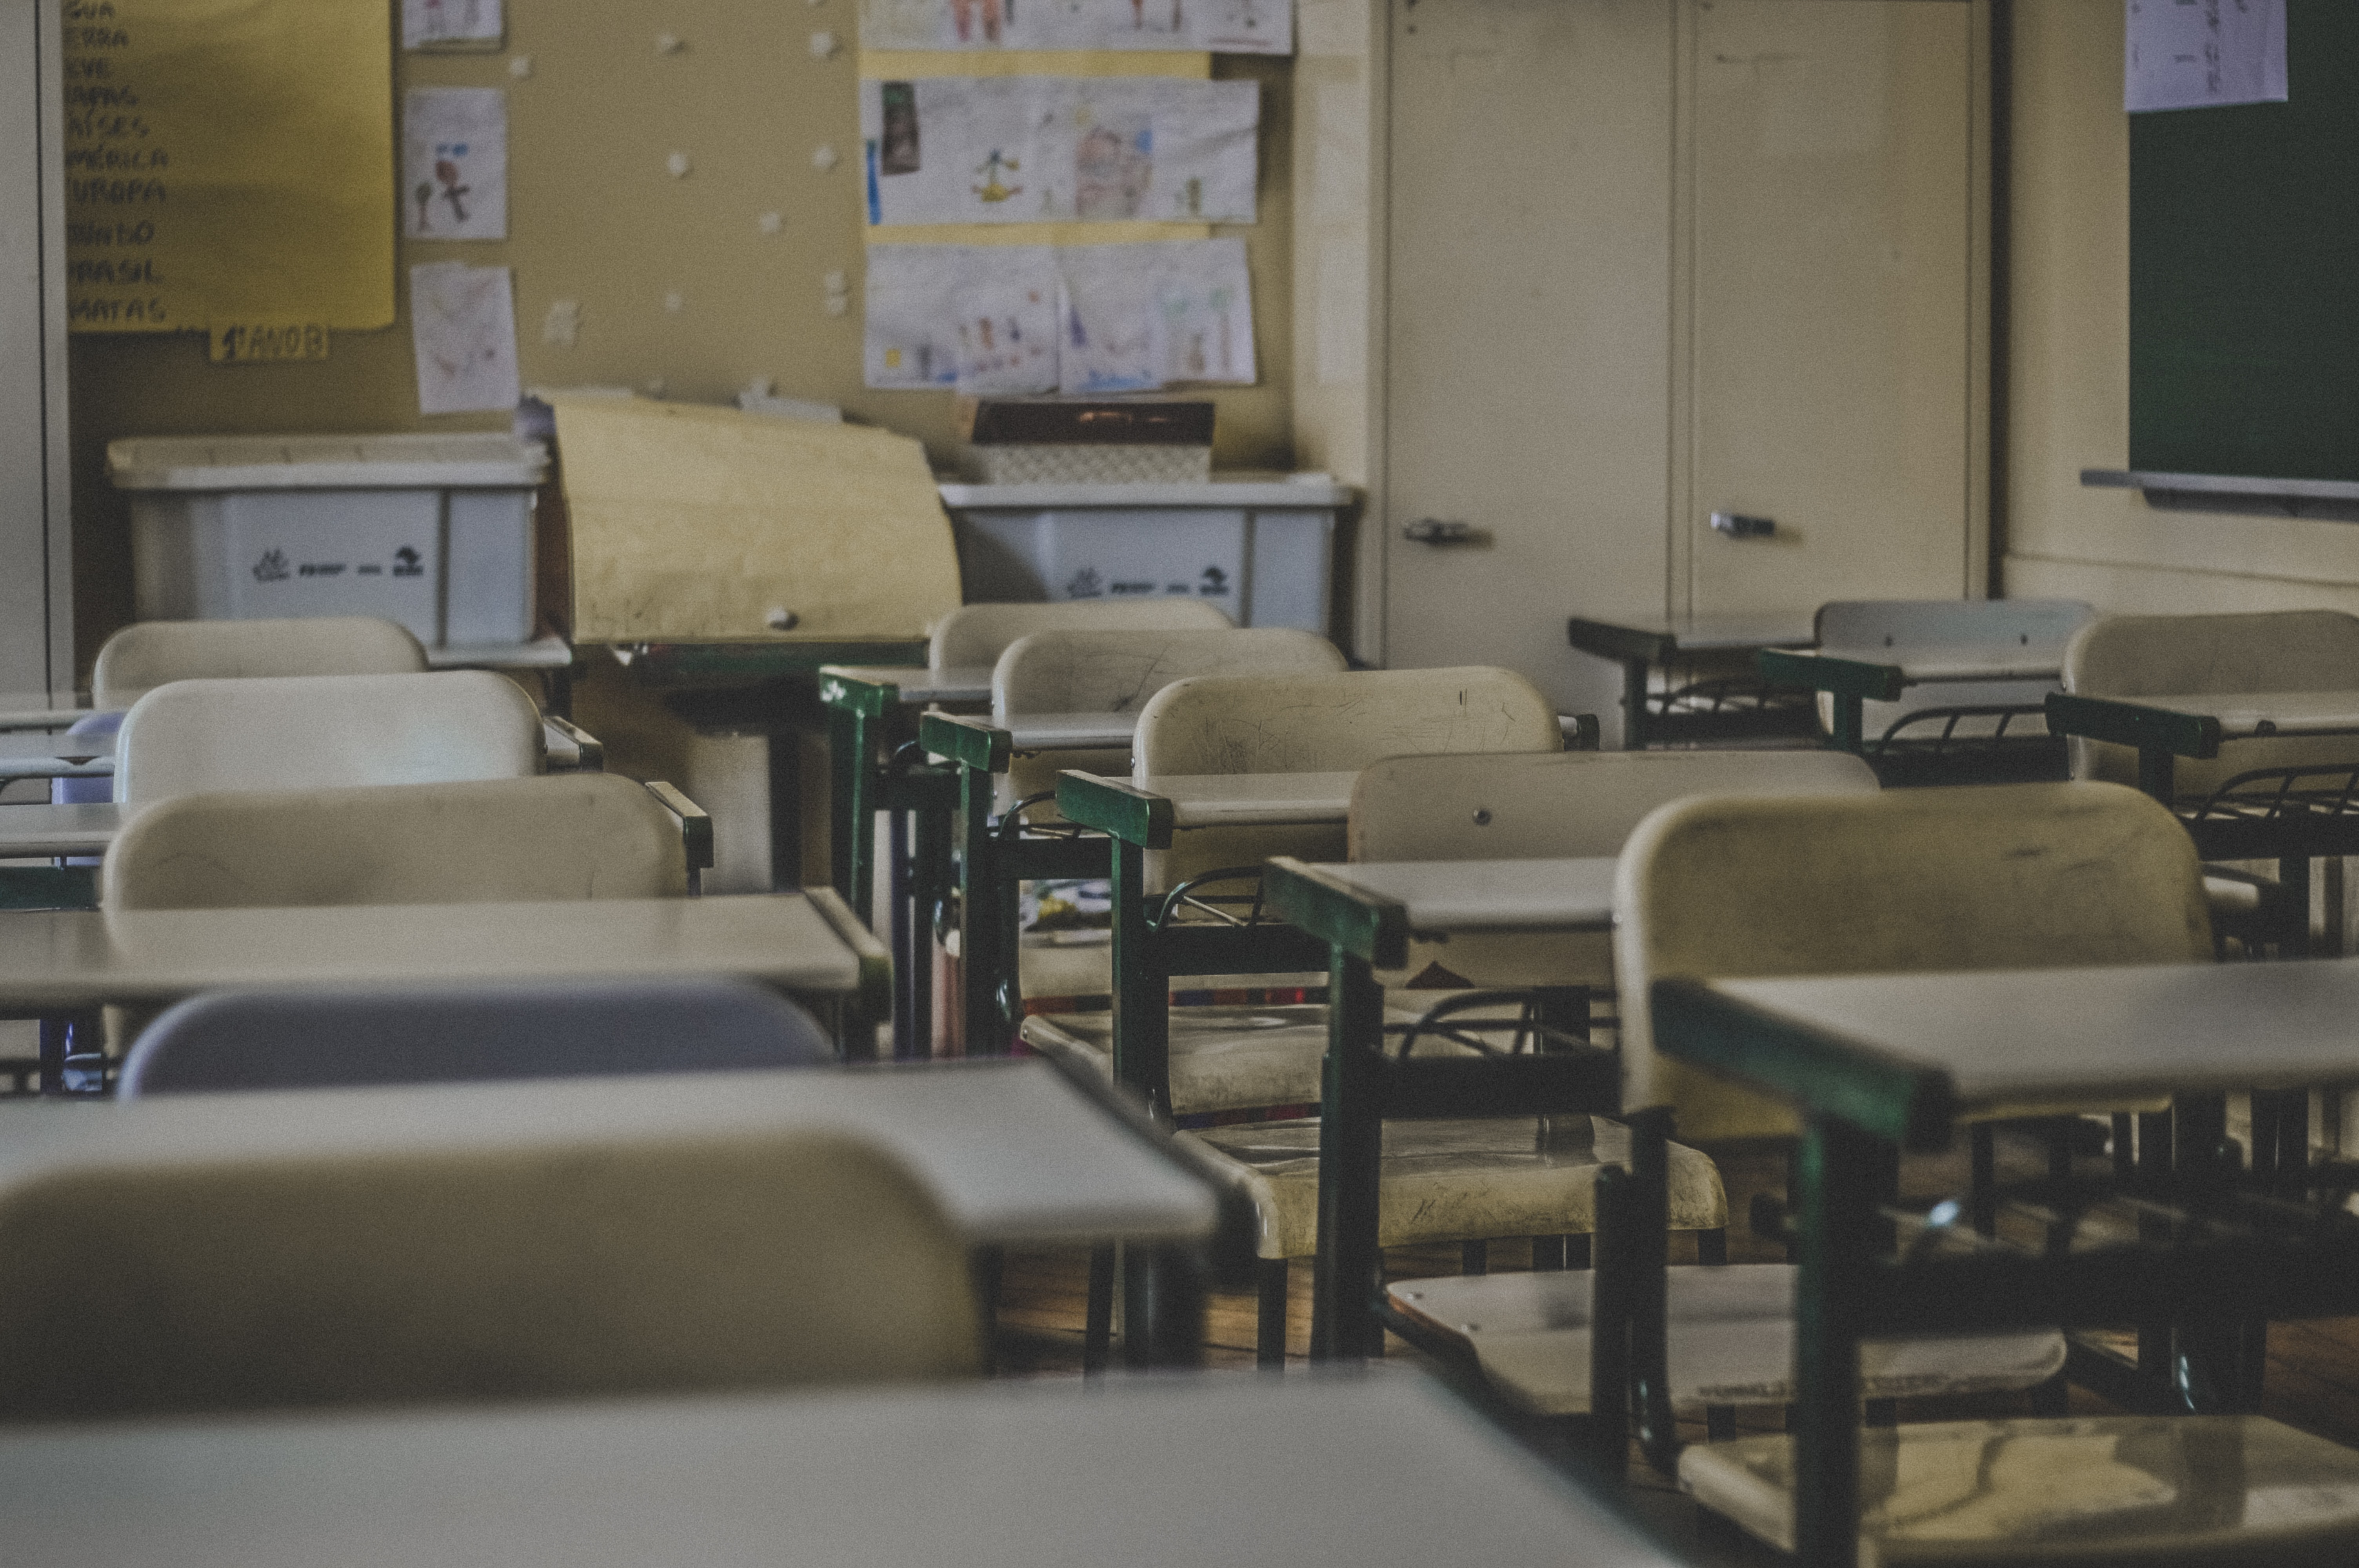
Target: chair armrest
<point x="571" y="749"/>
<point x="695" y="829"/>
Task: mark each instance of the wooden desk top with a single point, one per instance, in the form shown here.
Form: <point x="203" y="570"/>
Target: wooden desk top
<point x="1313" y="1471"/>
<point x="916" y="684"/>
<point x="1443" y="896"/>
<point x="80" y="958"/>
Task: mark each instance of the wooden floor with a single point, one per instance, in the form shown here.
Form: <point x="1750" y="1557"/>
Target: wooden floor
<point x="2312" y="1379"/>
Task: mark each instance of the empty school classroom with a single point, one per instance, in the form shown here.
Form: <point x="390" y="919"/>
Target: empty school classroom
<point x="1264" y="781"/>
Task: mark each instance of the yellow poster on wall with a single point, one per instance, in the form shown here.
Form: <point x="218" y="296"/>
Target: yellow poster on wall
<point x="229" y="169"/>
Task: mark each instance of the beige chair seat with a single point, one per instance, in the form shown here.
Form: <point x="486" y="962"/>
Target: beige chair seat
<point x="1449" y="1181"/>
<point x="1062" y="977"/>
<point x="1732" y="1340"/>
<point x="1224" y="1058"/>
<point x="2157" y="1491"/>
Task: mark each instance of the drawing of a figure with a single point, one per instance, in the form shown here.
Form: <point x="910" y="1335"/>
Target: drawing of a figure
<point x="1113" y="163"/>
<point x="425" y="195"/>
<point x="963" y="16"/>
<point x="447" y="171"/>
<point x="991" y="190"/>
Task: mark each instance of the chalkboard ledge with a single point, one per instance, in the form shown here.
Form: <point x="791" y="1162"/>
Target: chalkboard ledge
<point x="2333" y="500"/>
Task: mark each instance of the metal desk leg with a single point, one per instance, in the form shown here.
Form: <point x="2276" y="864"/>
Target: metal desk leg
<point x="1634" y="735"/>
<point x="851" y="811"/>
<point x="1838" y="1172"/>
<point x="930" y="883"/>
<point x="903" y="935"/>
<point x="1142" y="988"/>
<point x="979" y="936"/>
<point x="1350" y="1266"/>
<point x="786" y="812"/>
<point x="1849" y="731"/>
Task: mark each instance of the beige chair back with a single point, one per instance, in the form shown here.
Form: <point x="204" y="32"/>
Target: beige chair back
<point x="2020" y="876"/>
<point x="1570" y="805"/>
<point x="567" y="836"/>
<point x="150" y="653"/>
<point x="2178" y="656"/>
<point x="324" y="732"/>
<point x="1324" y="723"/>
<point x="583" y="1271"/>
<point x="979" y="633"/>
<point x="1873" y="629"/>
<point x="1118" y="672"/>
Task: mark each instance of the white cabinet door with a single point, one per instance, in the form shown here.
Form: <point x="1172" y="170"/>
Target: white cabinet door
<point x="1651" y="259"/>
<point x="1527" y="340"/>
<point x="1836" y="377"/>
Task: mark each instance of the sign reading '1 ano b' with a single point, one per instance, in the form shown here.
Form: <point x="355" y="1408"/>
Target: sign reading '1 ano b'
<point x="229" y="170"/>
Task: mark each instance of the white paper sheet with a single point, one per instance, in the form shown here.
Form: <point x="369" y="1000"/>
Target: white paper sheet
<point x="1015" y="149"/>
<point x="1083" y="319"/>
<point x="454" y="164"/>
<point x="2201" y="54"/>
<point x="462" y="327"/>
<point x="428" y="23"/>
<point x="1224" y="27"/>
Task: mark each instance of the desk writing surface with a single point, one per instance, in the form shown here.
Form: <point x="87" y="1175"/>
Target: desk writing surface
<point x="1248" y="800"/>
<point x="1069" y="732"/>
<point x="1012" y="1151"/>
<point x="1962" y="661"/>
<point x="1339" y="1471"/>
<point x="23" y="748"/>
<point x="1443" y="896"/>
<point x="80" y="958"/>
<point x="2096" y="1036"/>
<point x="39" y="829"/>
<point x="2242" y="714"/>
<point x="919" y="684"/>
<point x="1715" y="633"/>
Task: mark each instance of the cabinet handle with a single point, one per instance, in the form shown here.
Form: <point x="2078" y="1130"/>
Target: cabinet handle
<point x="1736" y="525"/>
<point x="1434" y="531"/>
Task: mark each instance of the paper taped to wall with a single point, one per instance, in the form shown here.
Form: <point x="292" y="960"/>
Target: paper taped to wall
<point x="1224" y="27"/>
<point x="2202" y="54"/>
<point x="449" y="24"/>
<point x="454" y="164"/>
<point x="1014" y="149"/>
<point x="1127" y="318"/>
<point x="229" y="165"/>
<point x="462" y="327"/>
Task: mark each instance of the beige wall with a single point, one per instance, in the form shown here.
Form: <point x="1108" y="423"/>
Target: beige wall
<point x="597" y="219"/>
<point x="2070" y="341"/>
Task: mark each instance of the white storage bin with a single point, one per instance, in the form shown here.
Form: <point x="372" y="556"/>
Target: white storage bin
<point x="1259" y="549"/>
<point x="432" y="531"/>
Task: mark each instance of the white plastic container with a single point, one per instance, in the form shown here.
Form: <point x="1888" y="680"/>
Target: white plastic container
<point x="432" y="531"/>
<point x="1258" y="548"/>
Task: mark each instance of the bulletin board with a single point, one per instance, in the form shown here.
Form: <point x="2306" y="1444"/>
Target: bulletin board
<point x="2243" y="253"/>
<point x="229" y="168"/>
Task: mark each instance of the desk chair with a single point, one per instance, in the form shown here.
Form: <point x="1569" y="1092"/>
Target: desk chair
<point x="2295" y="650"/>
<point x="803" y="1258"/>
<point x="1011" y="832"/>
<point x="150" y="653"/>
<point x="1950" y="732"/>
<point x="1280" y="724"/>
<point x="291" y="1040"/>
<point x="1730" y="1328"/>
<point x="979" y="633"/>
<point x="290" y="732"/>
<point x="2031" y="876"/>
<point x="489" y="840"/>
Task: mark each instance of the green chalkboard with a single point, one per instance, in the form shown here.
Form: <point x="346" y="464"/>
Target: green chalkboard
<point x="2245" y="272"/>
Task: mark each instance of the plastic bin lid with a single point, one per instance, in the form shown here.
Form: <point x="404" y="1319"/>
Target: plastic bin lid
<point x="325" y="462"/>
